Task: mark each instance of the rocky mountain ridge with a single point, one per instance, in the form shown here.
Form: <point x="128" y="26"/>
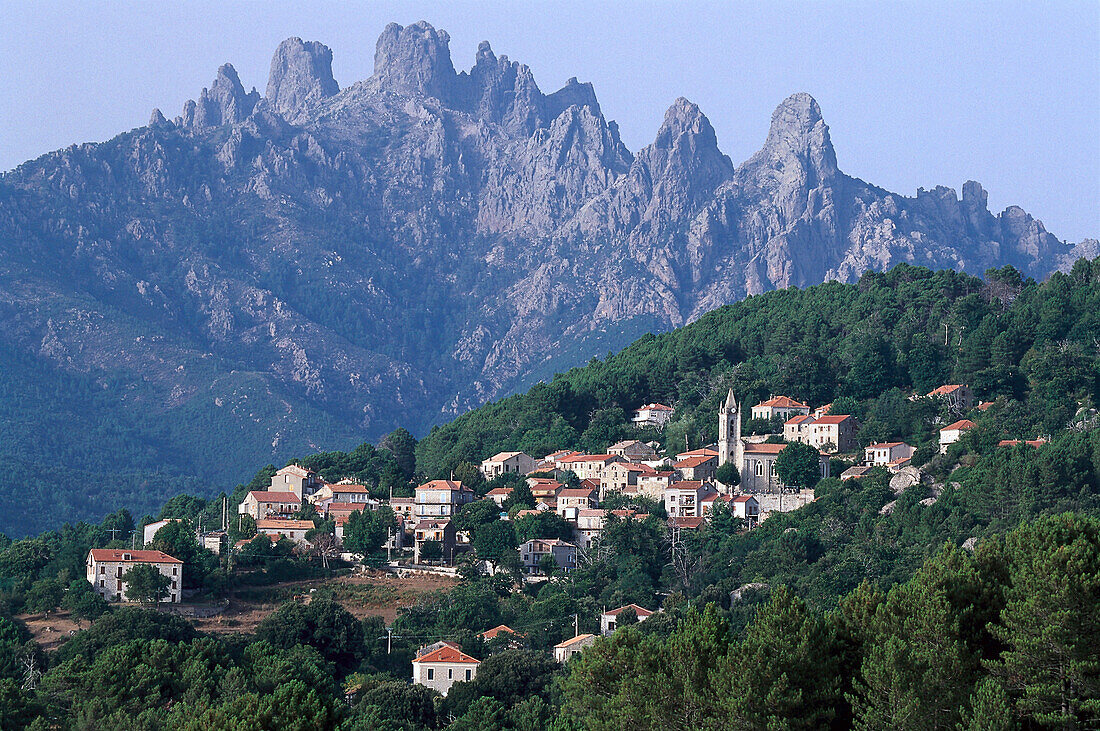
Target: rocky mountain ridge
<point x="320" y="264"/>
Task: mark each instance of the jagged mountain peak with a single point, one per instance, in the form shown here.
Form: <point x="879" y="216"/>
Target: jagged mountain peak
<point x="225" y="102"/>
<point x="301" y="74"/>
<point x="686" y="145"/>
<point x="414" y="59"/>
<point x="799" y="135"/>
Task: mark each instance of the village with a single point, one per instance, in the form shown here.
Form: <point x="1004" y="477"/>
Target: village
<point x="580" y="489"/>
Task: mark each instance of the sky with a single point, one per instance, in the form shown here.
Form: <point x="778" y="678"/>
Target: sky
<point x="916" y="94"/>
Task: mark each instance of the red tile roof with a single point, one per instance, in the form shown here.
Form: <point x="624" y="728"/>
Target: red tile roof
<point x="686" y="485"/>
<point x="1013" y="442"/>
<point x="448" y="654"/>
<point x="960" y="424"/>
<point x="574" y="640"/>
<point x="984" y="405"/>
<point x="590" y="458"/>
<point x="576" y="492"/>
<point x="836" y="419"/>
<point x="640" y="611"/>
<point x="496" y="631"/>
<point x="444" y="485"/>
<point x="118" y="555"/>
<point x="655" y="407"/>
<point x="798" y="419"/>
<point x="886" y="445"/>
<point x="354" y="489"/>
<point x="278" y="524"/>
<point x="945" y="390"/>
<point x="688" y="523"/>
<point x="500" y="491"/>
<point x="692" y="462"/>
<point x="783" y="402"/>
<point x="764" y="448"/>
<point x="743" y="498"/>
<point x="703" y="452"/>
<point x="265" y="496"/>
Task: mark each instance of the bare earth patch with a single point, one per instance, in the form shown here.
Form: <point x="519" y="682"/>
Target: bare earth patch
<point x="52" y="630"/>
<point x="374" y="594"/>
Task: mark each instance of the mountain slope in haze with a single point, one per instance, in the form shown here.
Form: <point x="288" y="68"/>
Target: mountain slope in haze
<point x="266" y="275"/>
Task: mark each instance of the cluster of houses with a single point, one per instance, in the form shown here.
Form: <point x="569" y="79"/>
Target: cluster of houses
<point x="685" y="483"/>
<point x="442" y="664"/>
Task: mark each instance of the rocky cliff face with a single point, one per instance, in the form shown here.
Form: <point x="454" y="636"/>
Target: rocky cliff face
<point x="405" y="248"/>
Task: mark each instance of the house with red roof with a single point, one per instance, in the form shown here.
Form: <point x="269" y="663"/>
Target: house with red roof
<point x="891" y="455"/>
<point x="299" y="480"/>
<point x="442" y="665"/>
<point x="832" y="433"/>
<point x="747" y="508"/>
<point x="277" y="528"/>
<point x="609" y="619"/>
<point x="957" y="396"/>
<point x="441" y="499"/>
<point x="105" y="568"/>
<point x="573" y="499"/>
<point x="652" y="415"/>
<point x="507" y="463"/>
<point x="953" y="433"/>
<point x="702" y="467"/>
<point x="264" y="504"/>
<point x="565" y="650"/>
<point x="779" y="406"/>
<point x="586" y="466"/>
<point x="1036" y="443"/>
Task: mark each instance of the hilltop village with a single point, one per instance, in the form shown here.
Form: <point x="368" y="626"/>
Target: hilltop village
<point x="568" y="497"/>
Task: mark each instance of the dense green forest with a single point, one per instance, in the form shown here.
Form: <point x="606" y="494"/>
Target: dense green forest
<point x="1034" y="346"/>
<point x="965" y="601"/>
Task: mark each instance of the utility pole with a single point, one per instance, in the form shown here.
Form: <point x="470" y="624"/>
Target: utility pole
<point x="389" y="640"/>
<point x="576" y="626"/>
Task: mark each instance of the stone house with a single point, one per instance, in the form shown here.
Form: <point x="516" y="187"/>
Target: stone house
<point x="499" y="494"/>
<point x="105" y="568"/>
<point x="618" y="476"/>
<point x="652" y="485"/>
<point x="442" y="665"/>
<point x="403" y="507"/>
<point x="573" y="499"/>
<point x="779" y="406"/>
<point x="747" y="508"/>
<point x="532" y="552"/>
<point x="441" y="531"/>
<point x="632" y="450"/>
<point x="652" y="415"/>
<point x="958" y="397"/>
<point x="565" y="650"/>
<point x="263" y="504"/>
<point x="589" y="522"/>
<point x="797" y="428"/>
<point x="277" y="528"/>
<point x="888" y="453"/>
<point x="296" y="479"/>
<point x="608" y="620"/>
<point x="505" y="463"/>
<point x="697" y="468"/>
<point x="441" y="499"/>
<point x="589" y="466"/>
<point x="836" y="433"/>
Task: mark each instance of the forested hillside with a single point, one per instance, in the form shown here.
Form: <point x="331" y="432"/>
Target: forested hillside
<point x="1034" y="348"/>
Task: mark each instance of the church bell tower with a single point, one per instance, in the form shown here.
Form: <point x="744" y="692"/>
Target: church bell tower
<point x="730" y="446"/>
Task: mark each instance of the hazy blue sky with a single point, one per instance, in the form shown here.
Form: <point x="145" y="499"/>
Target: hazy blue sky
<point x="915" y="94"/>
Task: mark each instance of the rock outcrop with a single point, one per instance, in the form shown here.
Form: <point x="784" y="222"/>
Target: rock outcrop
<point x="301" y="76"/>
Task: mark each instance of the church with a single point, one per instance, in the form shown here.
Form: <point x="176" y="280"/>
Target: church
<point x="755" y="460"/>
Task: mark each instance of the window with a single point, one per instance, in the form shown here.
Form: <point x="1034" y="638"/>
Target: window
<point x="759" y="468"/>
<point x="450" y="673"/>
<point x="174" y="570"/>
<point x="102" y="569"/>
<point x="431" y="674"/>
<point x="467" y="675"/>
<point x="173" y="585"/>
<point x="101" y="583"/>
